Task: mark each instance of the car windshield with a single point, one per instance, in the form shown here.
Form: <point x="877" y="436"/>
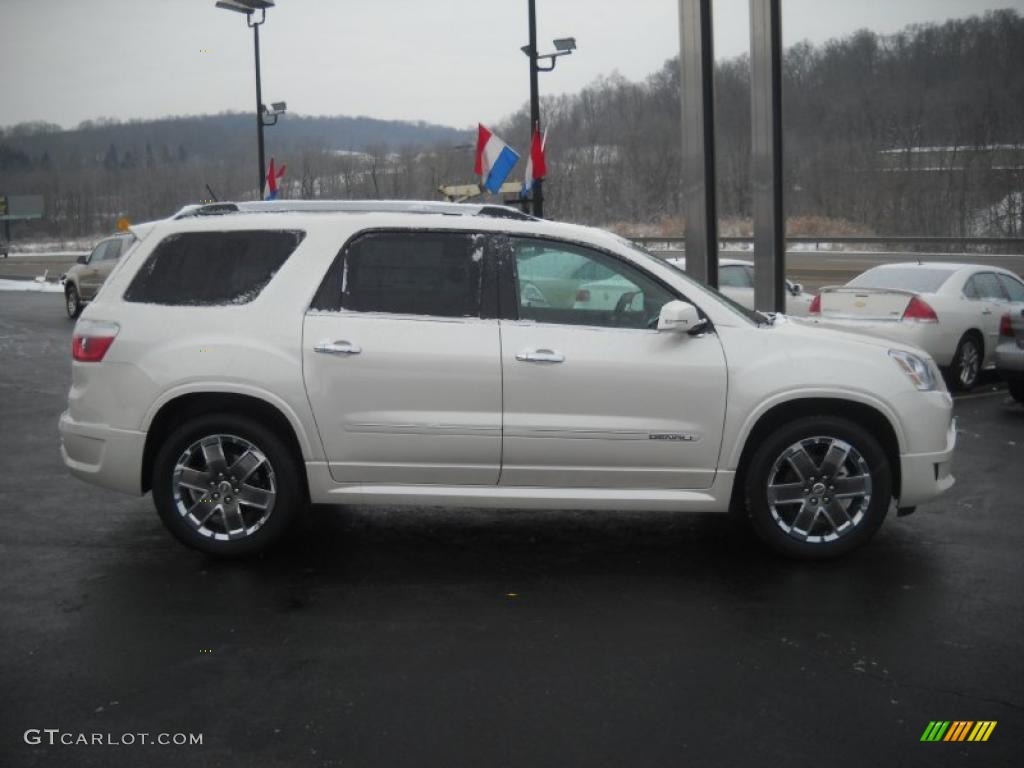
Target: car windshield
<point x="917" y="279"/>
<point x="747" y="314"/>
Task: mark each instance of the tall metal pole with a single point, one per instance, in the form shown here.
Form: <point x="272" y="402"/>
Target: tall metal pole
<point x="259" y="112"/>
<point x="766" y="150"/>
<point x="538" y="184"/>
<point x="697" y="68"/>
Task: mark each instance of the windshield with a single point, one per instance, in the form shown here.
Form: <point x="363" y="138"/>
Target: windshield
<point x="747" y="314"/>
<point x="916" y="279"/>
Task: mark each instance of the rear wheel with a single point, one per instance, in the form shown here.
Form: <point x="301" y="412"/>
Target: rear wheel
<point x="226" y="485"/>
<point x="818" y="487"/>
<point x="966" y="366"/>
<point x="72" y="302"/>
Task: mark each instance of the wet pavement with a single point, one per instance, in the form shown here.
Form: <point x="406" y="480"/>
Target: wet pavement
<point x="398" y="637"/>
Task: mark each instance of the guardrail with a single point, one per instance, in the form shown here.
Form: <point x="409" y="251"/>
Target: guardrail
<point x="964" y="244"/>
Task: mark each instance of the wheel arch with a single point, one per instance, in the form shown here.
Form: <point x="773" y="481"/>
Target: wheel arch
<point x="177" y="410"/>
<point x="865" y="414"/>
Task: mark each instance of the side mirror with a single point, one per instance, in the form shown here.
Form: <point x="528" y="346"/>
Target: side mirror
<point x="83" y="259"/>
<point x="796" y="289"/>
<point x="680" y="316"/>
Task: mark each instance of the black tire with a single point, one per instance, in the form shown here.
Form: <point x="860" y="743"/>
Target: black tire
<point x="1016" y="387"/>
<point x="965" y="370"/>
<point x="281" y="466"/>
<point x="863" y="515"/>
<point x="72" y="302"/>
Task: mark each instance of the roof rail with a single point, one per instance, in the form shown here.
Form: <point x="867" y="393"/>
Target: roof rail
<point x="354" y="206"/>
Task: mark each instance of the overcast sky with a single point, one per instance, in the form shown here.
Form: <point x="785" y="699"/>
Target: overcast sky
<point x="447" y="61"/>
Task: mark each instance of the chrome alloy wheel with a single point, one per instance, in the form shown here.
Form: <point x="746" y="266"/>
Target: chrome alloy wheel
<point x="819" y="489"/>
<point x="970" y="364"/>
<point x="224" y="487"/>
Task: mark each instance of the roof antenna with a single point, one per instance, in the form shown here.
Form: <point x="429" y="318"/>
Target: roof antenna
<point x="212" y="196"/>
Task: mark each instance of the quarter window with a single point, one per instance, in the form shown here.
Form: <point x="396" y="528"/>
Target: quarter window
<point x="572" y="285"/>
<point x="211" y="268"/>
<point x="408" y="273"/>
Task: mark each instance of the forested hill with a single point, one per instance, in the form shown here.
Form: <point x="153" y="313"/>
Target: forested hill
<point x="174" y="139"/>
<point x="919" y="132"/>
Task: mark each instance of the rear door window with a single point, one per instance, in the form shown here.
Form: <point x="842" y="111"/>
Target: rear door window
<point x="988" y="287"/>
<point x="438" y="274"/>
<point x="1013" y="288"/>
<point x="212" y="268"/>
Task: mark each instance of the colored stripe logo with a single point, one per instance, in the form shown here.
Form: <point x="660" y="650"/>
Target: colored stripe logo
<point x="958" y="730"/>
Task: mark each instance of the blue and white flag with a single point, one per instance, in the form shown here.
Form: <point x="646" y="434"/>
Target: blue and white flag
<point x="494" y="160"/>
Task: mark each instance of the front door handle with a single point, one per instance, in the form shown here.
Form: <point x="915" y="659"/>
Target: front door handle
<point x="540" y="356"/>
<point x="328" y="347"/>
<point x="986" y="311"/>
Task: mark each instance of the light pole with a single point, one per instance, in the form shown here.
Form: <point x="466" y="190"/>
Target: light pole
<point x="249" y="8"/>
<point x="563" y="47"/>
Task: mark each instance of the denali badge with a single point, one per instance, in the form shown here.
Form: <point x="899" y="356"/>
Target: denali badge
<point x="684" y="436"/>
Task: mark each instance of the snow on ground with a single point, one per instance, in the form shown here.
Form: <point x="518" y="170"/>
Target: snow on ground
<point x="29" y="285"/>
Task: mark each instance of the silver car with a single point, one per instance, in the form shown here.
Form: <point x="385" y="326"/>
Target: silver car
<point x="1010" y="352"/>
<point x="83" y="280"/>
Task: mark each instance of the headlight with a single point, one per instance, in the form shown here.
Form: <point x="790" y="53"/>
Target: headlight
<point x="916" y="368"/>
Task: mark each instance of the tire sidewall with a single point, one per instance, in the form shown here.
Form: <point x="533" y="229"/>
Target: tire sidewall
<point x="288" y="501"/>
<point x="71" y="290"/>
<point x="958" y="359"/>
<point x="769" y="451"/>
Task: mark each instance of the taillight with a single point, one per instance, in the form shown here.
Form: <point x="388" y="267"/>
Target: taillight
<point x="815" y="308"/>
<point x="582" y="295"/>
<point x="1005" y="326"/>
<point x="920" y="311"/>
<point x="92" y="339"/>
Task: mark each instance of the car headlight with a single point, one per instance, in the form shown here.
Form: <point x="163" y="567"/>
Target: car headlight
<point x="916" y="368"/>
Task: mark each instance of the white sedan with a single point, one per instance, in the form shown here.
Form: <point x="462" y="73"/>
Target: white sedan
<point x="949" y="310"/>
<point x="736" y="280"/>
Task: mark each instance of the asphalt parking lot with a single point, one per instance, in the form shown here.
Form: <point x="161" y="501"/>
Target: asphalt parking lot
<point x="395" y="637"/>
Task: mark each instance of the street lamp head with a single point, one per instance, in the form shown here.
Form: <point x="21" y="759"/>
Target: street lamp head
<point x="245" y="6"/>
<point x="565" y="44"/>
<point x="279" y="107"/>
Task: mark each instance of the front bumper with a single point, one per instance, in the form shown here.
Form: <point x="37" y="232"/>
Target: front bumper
<point x="927" y="475"/>
<point x="103" y="455"/>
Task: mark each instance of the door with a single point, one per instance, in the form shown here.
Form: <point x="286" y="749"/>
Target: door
<point x="401" y="361"/>
<point x="89" y="276"/>
<point x="593" y="395"/>
<point x="986" y="291"/>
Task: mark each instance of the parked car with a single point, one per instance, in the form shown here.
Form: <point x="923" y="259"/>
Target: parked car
<point x="84" y="279"/>
<point x="736" y="280"/>
<point x="949" y="310"/>
<point x="1010" y="352"/>
<point x="247" y="359"/>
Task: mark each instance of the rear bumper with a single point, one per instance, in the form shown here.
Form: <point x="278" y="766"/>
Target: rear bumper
<point x="927" y="475"/>
<point x="1010" y="358"/>
<point x="103" y="455"/>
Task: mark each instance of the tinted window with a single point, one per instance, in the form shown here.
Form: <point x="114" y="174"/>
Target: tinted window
<point x="1013" y="288"/>
<point x="988" y="287"/>
<point x="598" y="289"/>
<point x="209" y="268"/>
<point x="408" y="273"/>
<point x="734" y="277"/>
<point x="917" y="279"/>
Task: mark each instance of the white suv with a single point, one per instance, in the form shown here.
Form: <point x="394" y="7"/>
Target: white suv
<point x="245" y="360"/>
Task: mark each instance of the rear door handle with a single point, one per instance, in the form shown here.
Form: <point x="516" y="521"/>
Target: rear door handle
<point x="328" y="347"/>
<point x="540" y="356"/>
<point x="986" y="311"/>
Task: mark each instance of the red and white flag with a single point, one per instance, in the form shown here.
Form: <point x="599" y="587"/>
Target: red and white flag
<point x="536" y="167"/>
<point x="272" y="178"/>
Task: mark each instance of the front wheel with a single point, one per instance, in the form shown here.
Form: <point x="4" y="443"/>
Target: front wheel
<point x="818" y="487"/>
<point x="72" y="302"/>
<point x="226" y="485"/>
